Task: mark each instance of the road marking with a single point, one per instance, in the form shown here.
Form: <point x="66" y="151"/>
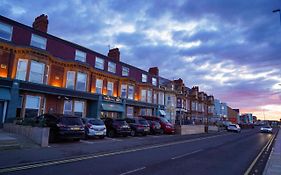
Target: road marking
<point x="187" y="154"/>
<point x="92" y="156"/>
<point x="268" y="144"/>
<point x="133" y="171"/>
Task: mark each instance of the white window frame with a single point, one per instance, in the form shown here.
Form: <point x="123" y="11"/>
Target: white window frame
<point x="110" y="86"/>
<point x="68" y="111"/>
<point x="4" y="28"/>
<point x="80" y="56"/>
<point x="79" y="74"/>
<point x="75" y="107"/>
<point x="131" y="96"/>
<point x="126" y="89"/>
<point x="68" y="80"/>
<point x="125" y="71"/>
<point x="143" y="95"/>
<point x="100" y="85"/>
<point x="143" y="78"/>
<point x="111" y="67"/>
<point x="22" y="72"/>
<point x="154" y="81"/>
<point x="42" y="45"/>
<point x="149" y="96"/>
<point x="99" y="63"/>
<point x="31" y="72"/>
<point x="38" y="105"/>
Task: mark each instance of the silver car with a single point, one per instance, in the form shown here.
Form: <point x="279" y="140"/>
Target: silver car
<point x="266" y="129"/>
<point x="94" y="127"/>
<point x="234" y="128"/>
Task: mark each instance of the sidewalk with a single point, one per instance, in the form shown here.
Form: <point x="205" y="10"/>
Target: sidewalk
<point x="273" y="165"/>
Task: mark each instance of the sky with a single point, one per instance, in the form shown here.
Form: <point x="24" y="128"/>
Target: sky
<point x="230" y="49"/>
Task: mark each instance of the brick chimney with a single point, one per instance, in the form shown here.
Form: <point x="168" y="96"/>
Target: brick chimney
<point x="41" y="23"/>
<point x="114" y="53"/>
<point x="154" y="71"/>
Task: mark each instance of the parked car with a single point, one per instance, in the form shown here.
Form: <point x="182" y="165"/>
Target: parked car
<point x="117" y="127"/>
<point x="63" y="126"/>
<point x="94" y="127"/>
<point x="167" y="127"/>
<point x="155" y="127"/>
<point x="266" y="129"/>
<point x="138" y="126"/>
<point x="234" y="128"/>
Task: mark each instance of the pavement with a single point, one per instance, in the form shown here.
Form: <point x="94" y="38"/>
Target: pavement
<point x="273" y="166"/>
<point x="223" y="153"/>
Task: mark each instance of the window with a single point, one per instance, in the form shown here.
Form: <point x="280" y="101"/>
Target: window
<point x="124" y="91"/>
<point x="6" y="31"/>
<point x="110" y="88"/>
<point x="149" y="112"/>
<point x="143" y="95"/>
<point x="161" y="98"/>
<point x="149" y="96"/>
<point x="130" y="112"/>
<point x="99" y="63"/>
<point x="143" y="78"/>
<point x="80" y="56"/>
<point x="67" y="109"/>
<point x="36" y="72"/>
<point x="21" y="69"/>
<point x="81" y="82"/>
<point x="70" y="80"/>
<point x="79" y="108"/>
<point x="125" y="71"/>
<point x="131" y="92"/>
<point x="32" y="105"/>
<point x="38" y="41"/>
<point x="111" y="67"/>
<point x="99" y="84"/>
<point x="155" y="97"/>
<point x="154" y="81"/>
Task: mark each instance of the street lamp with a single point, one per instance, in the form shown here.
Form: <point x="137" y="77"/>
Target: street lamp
<point x="277" y="11"/>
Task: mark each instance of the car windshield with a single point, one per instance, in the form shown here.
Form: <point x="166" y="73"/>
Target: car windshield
<point x="268" y="127"/>
<point x="164" y="120"/>
<point x="71" y="121"/>
<point x="144" y="122"/>
<point x="119" y="121"/>
<point x="96" y="122"/>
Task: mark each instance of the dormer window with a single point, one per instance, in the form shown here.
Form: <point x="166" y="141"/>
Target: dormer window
<point x="80" y="56"/>
<point x="154" y="81"/>
<point x="144" y="78"/>
<point x="99" y="63"/>
<point x="38" y="41"/>
<point x="6" y="31"/>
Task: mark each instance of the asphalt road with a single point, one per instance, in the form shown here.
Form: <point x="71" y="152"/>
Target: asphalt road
<point x="227" y="153"/>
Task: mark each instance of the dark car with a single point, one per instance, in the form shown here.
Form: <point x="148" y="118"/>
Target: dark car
<point x="63" y="126"/>
<point x="155" y="127"/>
<point x="138" y="126"/>
<point x="117" y="127"/>
<point x="167" y="127"/>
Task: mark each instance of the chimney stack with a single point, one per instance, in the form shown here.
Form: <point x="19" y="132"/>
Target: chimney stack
<point x="154" y="71"/>
<point x="114" y="53"/>
<point x="41" y="23"/>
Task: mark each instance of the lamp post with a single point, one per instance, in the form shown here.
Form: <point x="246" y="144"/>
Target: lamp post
<point x="277" y="11"/>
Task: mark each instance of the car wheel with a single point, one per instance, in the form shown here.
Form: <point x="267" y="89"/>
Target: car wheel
<point x="133" y="133"/>
<point x="125" y="135"/>
<point x="161" y="131"/>
<point x="76" y="140"/>
<point x="144" y="134"/>
<point x="111" y="133"/>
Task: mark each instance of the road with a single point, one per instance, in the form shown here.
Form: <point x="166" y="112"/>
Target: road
<point x="227" y="153"/>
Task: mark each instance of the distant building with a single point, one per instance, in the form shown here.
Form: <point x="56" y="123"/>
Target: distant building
<point x="246" y="118"/>
<point x="220" y="110"/>
<point x="232" y="115"/>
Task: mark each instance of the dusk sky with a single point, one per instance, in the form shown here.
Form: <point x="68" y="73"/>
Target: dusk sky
<point x="229" y="48"/>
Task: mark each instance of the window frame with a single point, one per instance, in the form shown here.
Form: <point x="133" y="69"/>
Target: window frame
<point x="111" y="69"/>
<point x="25" y="71"/>
<point x="154" y="81"/>
<point x="39" y="37"/>
<point x="97" y="65"/>
<point x="125" y="71"/>
<point x="32" y="62"/>
<point x="126" y="90"/>
<point x="10" y="32"/>
<point x="79" y="57"/>
<point x="112" y="88"/>
<point x="144" y="78"/>
<point x="67" y="79"/>
<point x="99" y="80"/>
<point x="76" y="84"/>
<point x="131" y="96"/>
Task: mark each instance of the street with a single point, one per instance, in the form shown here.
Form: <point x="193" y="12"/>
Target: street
<point x="225" y="153"/>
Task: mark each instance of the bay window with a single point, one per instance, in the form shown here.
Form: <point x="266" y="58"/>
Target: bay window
<point x="124" y="91"/>
<point x="99" y="84"/>
<point x="70" y="79"/>
<point x="37" y="70"/>
<point x="131" y="92"/>
<point x="155" y="97"/>
<point x="110" y="88"/>
<point x="143" y="95"/>
<point x="21" y="69"/>
<point x="81" y="82"/>
<point x="149" y="96"/>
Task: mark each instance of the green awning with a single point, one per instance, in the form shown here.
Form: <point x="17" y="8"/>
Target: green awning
<point x="112" y="107"/>
<point x="5" y="94"/>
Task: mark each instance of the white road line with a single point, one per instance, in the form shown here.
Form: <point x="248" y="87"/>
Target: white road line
<point x="187" y="154"/>
<point x="133" y="171"/>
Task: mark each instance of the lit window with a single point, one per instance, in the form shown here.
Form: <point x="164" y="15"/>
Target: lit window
<point x="70" y="80"/>
<point x="21" y="69"/>
<point x="80" y="56"/>
<point x="131" y="92"/>
<point x="111" y="67"/>
<point x="143" y="95"/>
<point x="6" y="31"/>
<point x="154" y="81"/>
<point x="125" y="71"/>
<point x="32" y="105"/>
<point x="99" y="83"/>
<point x="38" y="41"/>
<point x="99" y="63"/>
<point x="67" y="109"/>
<point x="143" y="78"/>
<point x="81" y="82"/>
<point x="36" y="72"/>
<point x="79" y="108"/>
<point x="124" y="91"/>
<point x="149" y="96"/>
<point x="110" y="88"/>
